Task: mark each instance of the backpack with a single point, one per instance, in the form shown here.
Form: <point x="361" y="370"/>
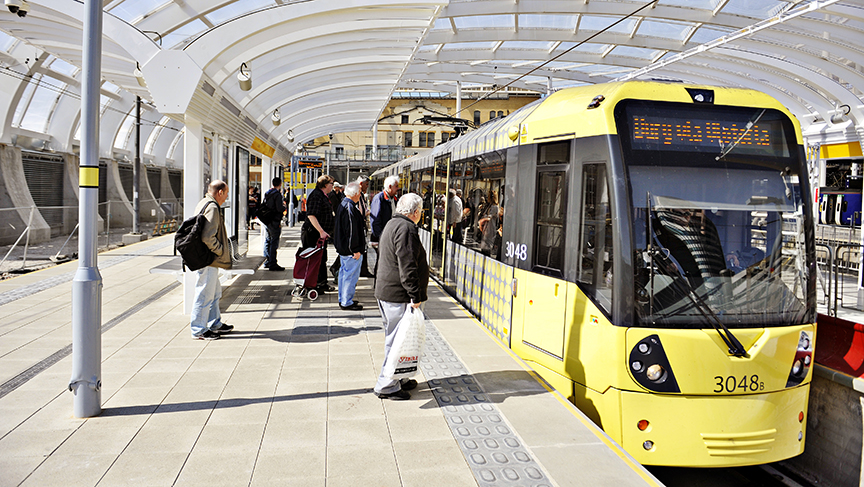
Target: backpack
<point x="187" y="242"/>
<point x="266" y="213"/>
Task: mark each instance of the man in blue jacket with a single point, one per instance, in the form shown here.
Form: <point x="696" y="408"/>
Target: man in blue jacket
<point x="350" y="241"/>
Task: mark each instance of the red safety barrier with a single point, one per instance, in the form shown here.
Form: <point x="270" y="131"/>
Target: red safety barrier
<point x="840" y="345"/>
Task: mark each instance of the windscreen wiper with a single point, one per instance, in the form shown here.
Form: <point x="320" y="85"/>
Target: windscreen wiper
<point x="750" y="125"/>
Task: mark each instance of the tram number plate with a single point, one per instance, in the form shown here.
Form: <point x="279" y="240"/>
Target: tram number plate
<point x="732" y="384"/>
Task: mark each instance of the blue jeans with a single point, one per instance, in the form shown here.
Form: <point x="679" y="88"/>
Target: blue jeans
<point x="271" y="243"/>
<point x="205" y="307"/>
<point x="349" y="272"/>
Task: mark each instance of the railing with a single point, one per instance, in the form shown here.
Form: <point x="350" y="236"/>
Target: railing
<point x="392" y="154"/>
<point x="166" y="209"/>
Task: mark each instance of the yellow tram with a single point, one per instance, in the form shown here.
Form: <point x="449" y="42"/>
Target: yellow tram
<point x="648" y="248"/>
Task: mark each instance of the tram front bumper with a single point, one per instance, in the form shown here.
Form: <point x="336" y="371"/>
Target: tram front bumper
<point x="714" y="431"/>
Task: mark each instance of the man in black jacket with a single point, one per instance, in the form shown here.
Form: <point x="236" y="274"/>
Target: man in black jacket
<point x="273" y="201"/>
<point x="402" y="279"/>
<point x="349" y="242"/>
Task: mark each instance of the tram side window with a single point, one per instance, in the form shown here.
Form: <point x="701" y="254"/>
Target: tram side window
<point x="551" y="209"/>
<point x="595" y="259"/>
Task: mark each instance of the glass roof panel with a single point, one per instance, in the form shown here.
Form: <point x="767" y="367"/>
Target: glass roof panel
<point x="183" y="34"/>
<point x="428" y="48"/>
<point x="123" y="133"/>
<point x="485" y="22"/>
<point x="453" y="46"/>
<point x="6" y="41"/>
<point x="63" y="67"/>
<point x="600" y="22"/>
<point x="39" y="109"/>
<point x="442" y="24"/>
<point x="532" y="21"/>
<point x="699" y="4"/>
<point x="25" y="99"/>
<point x="237" y="9"/>
<point x="108" y="86"/>
<point x="635" y="52"/>
<point x="596" y="68"/>
<point x="544" y="45"/>
<point x="134" y="10"/>
<point x="760" y="9"/>
<point x="707" y="34"/>
<point x="588" y="48"/>
<point x="665" y="30"/>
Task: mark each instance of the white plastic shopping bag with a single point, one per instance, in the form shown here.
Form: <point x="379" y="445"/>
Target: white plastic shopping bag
<point x="407" y="346"/>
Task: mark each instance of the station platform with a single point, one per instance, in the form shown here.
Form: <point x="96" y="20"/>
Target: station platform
<point x="285" y="399"/>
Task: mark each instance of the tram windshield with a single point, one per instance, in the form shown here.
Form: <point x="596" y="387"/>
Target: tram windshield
<point x="718" y="237"/>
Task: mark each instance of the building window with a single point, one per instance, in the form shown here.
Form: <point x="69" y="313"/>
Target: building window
<point x="476" y="117"/>
<point x="445" y="136"/>
<point x="427" y="139"/>
<point x="409" y="139"/>
<point x="491" y="114"/>
<point x="500" y="113"/>
<point x="254" y="160"/>
<point x="404" y="119"/>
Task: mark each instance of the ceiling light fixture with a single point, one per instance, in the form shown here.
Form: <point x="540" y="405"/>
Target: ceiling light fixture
<point x="290" y="135"/>
<point x="276" y="118"/>
<point x="245" y="78"/>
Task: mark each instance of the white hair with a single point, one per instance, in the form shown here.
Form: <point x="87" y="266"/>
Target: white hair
<point x="409" y="203"/>
<point x="352" y="189"/>
<point x="391" y="181"/>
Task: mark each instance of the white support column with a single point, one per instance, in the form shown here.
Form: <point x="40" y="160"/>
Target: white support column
<point x="374" y="147"/>
<point x="459" y="99"/>
<point x="193" y="191"/>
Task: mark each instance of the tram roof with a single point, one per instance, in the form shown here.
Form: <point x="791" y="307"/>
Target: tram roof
<point x="331" y="66"/>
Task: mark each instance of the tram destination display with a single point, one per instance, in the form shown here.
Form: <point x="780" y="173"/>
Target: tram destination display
<point x="749" y="133"/>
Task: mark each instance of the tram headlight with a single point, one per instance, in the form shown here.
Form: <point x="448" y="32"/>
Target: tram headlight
<point x="654" y="372"/>
<point x="802" y="361"/>
<point x="650" y="367"/>
<point x="797" y="367"/>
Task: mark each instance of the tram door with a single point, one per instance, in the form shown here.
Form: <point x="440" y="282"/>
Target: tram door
<point x="440" y="187"/>
<point x="544" y="290"/>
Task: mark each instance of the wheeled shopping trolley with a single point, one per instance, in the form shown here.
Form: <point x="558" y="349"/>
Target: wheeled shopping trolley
<point x="306" y="266"/>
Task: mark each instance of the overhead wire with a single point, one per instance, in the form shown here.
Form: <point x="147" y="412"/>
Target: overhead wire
<point x="613" y="24"/>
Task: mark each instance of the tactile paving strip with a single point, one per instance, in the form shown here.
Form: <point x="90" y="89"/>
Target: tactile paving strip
<point x="495" y="453"/>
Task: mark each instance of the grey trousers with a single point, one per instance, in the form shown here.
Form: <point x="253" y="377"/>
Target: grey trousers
<point x="391" y="313"/>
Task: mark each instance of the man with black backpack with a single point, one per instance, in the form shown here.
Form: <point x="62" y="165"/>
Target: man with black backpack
<point x="206" y="318"/>
<point x="272" y="208"/>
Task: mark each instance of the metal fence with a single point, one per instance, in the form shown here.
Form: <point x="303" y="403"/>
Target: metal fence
<point x="165" y="210"/>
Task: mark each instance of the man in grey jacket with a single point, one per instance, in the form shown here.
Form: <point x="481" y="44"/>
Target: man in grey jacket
<point x="206" y="318"/>
<point x="403" y="277"/>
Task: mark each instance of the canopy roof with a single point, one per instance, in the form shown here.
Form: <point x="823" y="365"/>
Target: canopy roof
<point x="331" y="66"/>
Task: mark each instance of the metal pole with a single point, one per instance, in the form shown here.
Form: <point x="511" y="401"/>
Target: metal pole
<point x="136" y="171"/>
<point x="86" y="382"/>
<point x="27" y="242"/>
